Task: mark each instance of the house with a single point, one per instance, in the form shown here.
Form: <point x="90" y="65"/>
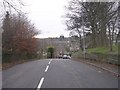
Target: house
<point x="61" y="44"/>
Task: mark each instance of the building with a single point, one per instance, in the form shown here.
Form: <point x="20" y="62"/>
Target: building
<point x="61" y="45"/>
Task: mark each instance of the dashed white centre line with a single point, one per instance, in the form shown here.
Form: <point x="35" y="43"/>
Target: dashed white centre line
<point x="100" y="71"/>
<point x="40" y="84"/>
<point x="49" y="62"/>
<point x="42" y="79"/>
<point x="46" y="68"/>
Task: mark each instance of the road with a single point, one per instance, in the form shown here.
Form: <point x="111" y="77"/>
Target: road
<point x="57" y="73"/>
<point x="0" y="79"/>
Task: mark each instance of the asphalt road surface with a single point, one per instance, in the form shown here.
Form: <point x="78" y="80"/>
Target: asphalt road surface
<point x="57" y="73"/>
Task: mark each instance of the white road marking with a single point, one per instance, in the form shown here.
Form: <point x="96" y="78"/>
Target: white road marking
<point x="46" y="68"/>
<point x="49" y="62"/>
<point x="42" y="79"/>
<point x="40" y="84"/>
<point x="100" y="71"/>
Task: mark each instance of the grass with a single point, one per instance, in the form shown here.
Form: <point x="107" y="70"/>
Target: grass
<point x="100" y="50"/>
<point x="103" y="50"/>
<point x="77" y="54"/>
<point x="102" y="54"/>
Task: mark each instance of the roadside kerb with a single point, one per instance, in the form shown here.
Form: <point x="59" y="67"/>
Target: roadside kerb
<point x="116" y="74"/>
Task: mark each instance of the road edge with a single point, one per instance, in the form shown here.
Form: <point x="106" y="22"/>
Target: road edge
<point x="116" y="74"/>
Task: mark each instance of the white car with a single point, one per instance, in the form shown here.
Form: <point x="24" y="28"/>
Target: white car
<point x="66" y="57"/>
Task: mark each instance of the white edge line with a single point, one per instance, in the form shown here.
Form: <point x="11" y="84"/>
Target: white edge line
<point x="40" y="84"/>
<point x="46" y="68"/>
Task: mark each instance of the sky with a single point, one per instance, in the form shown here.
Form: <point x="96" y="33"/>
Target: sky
<point x="47" y="17"/>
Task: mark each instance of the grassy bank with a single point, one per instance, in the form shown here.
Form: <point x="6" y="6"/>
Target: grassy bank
<point x="101" y="54"/>
<point x="103" y="50"/>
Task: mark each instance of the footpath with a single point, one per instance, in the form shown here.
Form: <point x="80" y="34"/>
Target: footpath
<point x="114" y="69"/>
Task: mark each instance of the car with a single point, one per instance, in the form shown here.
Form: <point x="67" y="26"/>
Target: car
<point x="66" y="57"/>
<point x="69" y="57"/>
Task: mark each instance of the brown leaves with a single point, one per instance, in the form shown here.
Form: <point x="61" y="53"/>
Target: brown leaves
<point x="18" y="36"/>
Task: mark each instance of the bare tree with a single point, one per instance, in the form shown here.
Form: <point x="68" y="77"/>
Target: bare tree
<point x="9" y="5"/>
<point x="18" y="37"/>
<point x="95" y="15"/>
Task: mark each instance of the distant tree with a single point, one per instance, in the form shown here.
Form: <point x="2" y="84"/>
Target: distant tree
<point x="50" y="51"/>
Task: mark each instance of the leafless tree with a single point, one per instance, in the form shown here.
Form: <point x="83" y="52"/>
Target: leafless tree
<point x="93" y="15"/>
<point x="9" y="5"/>
<point x="18" y="37"/>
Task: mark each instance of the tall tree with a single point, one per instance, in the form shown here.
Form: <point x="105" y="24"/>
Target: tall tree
<point x="74" y="19"/>
<point x="92" y="15"/>
<point x="118" y="35"/>
<point x="9" y="5"/>
<point x="18" y="37"/>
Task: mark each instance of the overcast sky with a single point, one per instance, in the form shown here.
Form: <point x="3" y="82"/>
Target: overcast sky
<point x="47" y="16"/>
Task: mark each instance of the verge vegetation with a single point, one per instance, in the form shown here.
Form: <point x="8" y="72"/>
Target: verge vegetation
<point x="100" y="54"/>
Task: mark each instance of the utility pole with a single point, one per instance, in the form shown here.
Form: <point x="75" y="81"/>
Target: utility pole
<point x="84" y="50"/>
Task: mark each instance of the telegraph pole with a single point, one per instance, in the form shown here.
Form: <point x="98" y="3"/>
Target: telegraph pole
<point x="84" y="50"/>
